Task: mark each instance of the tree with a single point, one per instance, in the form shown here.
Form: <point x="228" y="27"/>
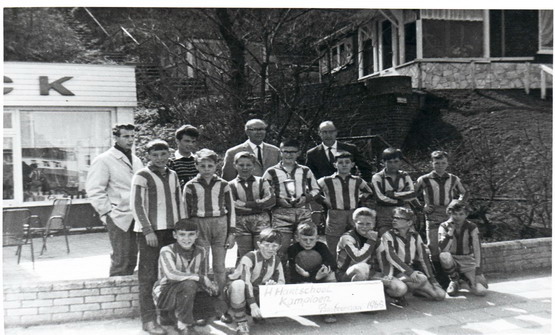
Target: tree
<point x="42" y="34"/>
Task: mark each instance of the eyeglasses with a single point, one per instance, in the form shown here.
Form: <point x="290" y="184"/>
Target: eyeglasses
<point x="290" y="152"/>
<point x="256" y="129"/>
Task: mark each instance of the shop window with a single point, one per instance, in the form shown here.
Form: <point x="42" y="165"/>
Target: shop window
<point x="7" y="172"/>
<point x="56" y="147"/>
<point x="513" y="33"/>
<point x="452" y="39"/>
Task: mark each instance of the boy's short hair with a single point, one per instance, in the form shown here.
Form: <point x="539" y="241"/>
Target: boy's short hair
<point x="407" y="213"/>
<point x="391" y="153"/>
<point x="270" y="235"/>
<point x="157" y="144"/>
<point x="343" y="154"/>
<point x="116" y="131"/>
<point x="456" y="206"/>
<point x="439" y="154"/>
<point x="188" y="130"/>
<point x="290" y="143"/>
<point x="186" y="225"/>
<point x="203" y="154"/>
<point x="364" y="211"/>
<point x="244" y="154"/>
<point x="306" y="229"/>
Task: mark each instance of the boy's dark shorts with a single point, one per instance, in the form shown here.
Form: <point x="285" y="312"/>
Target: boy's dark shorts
<point x="252" y="224"/>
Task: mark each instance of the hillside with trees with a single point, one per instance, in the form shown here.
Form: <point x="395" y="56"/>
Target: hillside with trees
<point x="216" y="68"/>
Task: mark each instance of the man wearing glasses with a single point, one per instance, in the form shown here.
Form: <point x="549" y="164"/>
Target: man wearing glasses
<point x="267" y="155"/>
<point x="320" y="158"/>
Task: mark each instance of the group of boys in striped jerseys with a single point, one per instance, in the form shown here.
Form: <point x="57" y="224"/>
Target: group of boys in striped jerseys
<point x="270" y="218"/>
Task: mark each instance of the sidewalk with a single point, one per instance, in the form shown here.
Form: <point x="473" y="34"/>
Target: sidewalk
<point x="518" y="305"/>
<point x="89" y="258"/>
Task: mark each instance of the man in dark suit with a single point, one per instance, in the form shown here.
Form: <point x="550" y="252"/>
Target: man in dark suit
<point x="320" y="158"/>
<point x="267" y="155"/>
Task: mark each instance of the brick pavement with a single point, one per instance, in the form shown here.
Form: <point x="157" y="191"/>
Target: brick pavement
<point x="515" y="305"/>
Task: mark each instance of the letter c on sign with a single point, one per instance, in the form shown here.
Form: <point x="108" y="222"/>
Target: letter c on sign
<point x="7" y="80"/>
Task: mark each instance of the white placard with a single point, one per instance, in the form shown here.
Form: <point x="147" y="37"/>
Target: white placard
<point x="324" y="298"/>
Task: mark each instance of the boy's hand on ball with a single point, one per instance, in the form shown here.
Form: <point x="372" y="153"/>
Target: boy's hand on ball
<point x="323" y="272"/>
<point x="301" y="271"/>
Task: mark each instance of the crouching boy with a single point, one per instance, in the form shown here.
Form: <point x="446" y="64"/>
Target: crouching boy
<point x="182" y="280"/>
<point x="310" y="261"/>
<point x="259" y="267"/>
<point x="460" y="250"/>
<point x="358" y="254"/>
<point x="407" y="259"/>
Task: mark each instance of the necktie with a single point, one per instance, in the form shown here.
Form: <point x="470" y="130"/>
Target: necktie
<point x="330" y="155"/>
<point x="259" y="154"/>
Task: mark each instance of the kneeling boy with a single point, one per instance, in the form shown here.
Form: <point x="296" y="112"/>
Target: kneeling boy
<point x="259" y="267"/>
<point x="358" y="254"/>
<point x="460" y="250"/>
<point x="310" y="261"/>
<point x="183" y="270"/>
<point x="407" y="259"/>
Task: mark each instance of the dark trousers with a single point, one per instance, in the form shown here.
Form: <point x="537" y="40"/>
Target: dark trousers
<point x="124" y="249"/>
<point x="148" y="271"/>
<point x="184" y="302"/>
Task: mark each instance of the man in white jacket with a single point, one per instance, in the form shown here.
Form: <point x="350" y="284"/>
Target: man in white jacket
<point x="109" y="188"/>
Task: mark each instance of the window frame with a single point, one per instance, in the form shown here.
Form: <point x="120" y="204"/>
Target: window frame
<point x="16" y="131"/>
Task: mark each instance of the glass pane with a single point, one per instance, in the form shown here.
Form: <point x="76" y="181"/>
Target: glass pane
<point x="57" y="149"/>
<point x="453" y="39"/>
<point x="8" y="120"/>
<point x="7" y="178"/>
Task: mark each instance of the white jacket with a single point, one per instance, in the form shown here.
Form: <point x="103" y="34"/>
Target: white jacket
<point x="109" y="185"/>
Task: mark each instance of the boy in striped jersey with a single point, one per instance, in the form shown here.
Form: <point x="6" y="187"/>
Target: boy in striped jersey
<point x="460" y="250"/>
<point x="183" y="284"/>
<point x="438" y="188"/>
<point x="156" y="207"/>
<point x="259" y="267"/>
<point x="253" y="199"/>
<point x="184" y="161"/>
<point x="392" y="187"/>
<point x="294" y="187"/>
<point x="407" y="259"/>
<point x="209" y="203"/>
<point x="359" y="254"/>
<point x="341" y="194"/>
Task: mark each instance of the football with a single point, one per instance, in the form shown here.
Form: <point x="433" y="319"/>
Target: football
<point x="309" y="260"/>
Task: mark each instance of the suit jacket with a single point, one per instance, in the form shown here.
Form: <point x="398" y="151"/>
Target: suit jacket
<point x="109" y="185"/>
<point x="317" y="160"/>
<point x="270" y="157"/>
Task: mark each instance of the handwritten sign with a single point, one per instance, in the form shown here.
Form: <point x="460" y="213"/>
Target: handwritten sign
<point x="324" y="298"/>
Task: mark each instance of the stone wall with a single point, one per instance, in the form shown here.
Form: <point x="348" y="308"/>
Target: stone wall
<point x="474" y="75"/>
<point x="519" y="255"/>
<point x="68" y="301"/>
<point x="45" y="303"/>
